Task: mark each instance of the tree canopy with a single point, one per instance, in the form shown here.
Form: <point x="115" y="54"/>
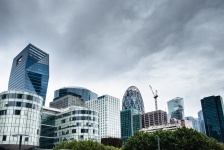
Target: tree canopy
<point x="83" y="145"/>
<point x="180" y="139"/>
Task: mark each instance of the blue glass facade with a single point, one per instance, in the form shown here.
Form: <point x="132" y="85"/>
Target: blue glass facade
<point x="176" y="108"/>
<point x="212" y="108"/>
<point x="30" y="71"/>
<point x="132" y="99"/>
<point x="201" y="122"/>
<point x="84" y="93"/>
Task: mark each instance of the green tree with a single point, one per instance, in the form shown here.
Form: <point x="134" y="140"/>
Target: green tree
<point x="83" y="145"/>
<point x="180" y="139"/>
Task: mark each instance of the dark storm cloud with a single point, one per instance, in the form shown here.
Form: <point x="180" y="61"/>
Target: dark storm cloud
<point x="111" y="36"/>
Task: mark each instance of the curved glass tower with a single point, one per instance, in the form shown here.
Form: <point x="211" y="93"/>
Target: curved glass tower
<point x="132" y="99"/>
<point x="83" y="92"/>
<point x="30" y="71"/>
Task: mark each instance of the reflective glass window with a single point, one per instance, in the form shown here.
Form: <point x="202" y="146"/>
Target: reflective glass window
<point x="73" y="130"/>
<point x="4" y="96"/>
<point x="4" y="138"/>
<point x="12" y="95"/>
<point x="29" y="97"/>
<point x="28" y="105"/>
<point x="84" y="130"/>
<point x="19" y="96"/>
<point x="16" y="112"/>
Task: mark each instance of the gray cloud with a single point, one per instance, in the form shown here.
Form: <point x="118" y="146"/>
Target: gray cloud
<point x="109" y="45"/>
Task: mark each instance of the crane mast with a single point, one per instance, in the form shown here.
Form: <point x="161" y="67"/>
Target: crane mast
<point x="155" y="95"/>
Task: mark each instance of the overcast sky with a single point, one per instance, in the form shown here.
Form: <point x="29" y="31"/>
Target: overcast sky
<point x="177" y="46"/>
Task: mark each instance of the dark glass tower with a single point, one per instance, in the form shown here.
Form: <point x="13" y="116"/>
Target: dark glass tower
<point x="84" y="93"/>
<point x="212" y="108"/>
<point x="131" y="121"/>
<point x="30" y="71"/>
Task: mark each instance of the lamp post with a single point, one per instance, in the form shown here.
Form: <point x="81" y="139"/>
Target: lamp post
<point x="158" y="140"/>
<point x="20" y="138"/>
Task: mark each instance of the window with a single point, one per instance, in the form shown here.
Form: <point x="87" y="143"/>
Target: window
<point x="73" y="130"/>
<point x="84" y="130"/>
<point x="19" y="60"/>
<point x="26" y="139"/>
<point x="19" y="96"/>
<point x="63" y="121"/>
<point x="29" y="97"/>
<point x="37" y="131"/>
<point x="3" y="112"/>
<point x="4" y="138"/>
<point x="16" y="112"/>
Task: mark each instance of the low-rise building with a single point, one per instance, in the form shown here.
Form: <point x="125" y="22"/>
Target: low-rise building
<point x="173" y="124"/>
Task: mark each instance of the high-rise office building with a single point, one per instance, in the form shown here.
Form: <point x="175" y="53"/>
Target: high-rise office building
<point x="195" y="122"/>
<point x="176" y="108"/>
<point x="131" y="121"/>
<point x="30" y="71"/>
<point x="132" y="99"/>
<point x="109" y="115"/>
<point x="83" y="92"/>
<point x="154" y="118"/>
<point x="201" y="122"/>
<point x="212" y="108"/>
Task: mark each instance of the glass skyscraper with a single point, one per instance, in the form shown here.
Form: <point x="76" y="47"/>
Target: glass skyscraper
<point x="176" y="108"/>
<point x="212" y="108"/>
<point x="30" y="71"/>
<point x="131" y="121"/>
<point x="132" y="99"/>
<point x="201" y="122"/>
<point x="83" y="92"/>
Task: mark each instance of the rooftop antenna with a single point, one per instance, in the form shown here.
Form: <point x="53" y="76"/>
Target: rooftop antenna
<point x="155" y="95"/>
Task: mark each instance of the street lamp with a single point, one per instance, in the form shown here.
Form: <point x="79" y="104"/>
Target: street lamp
<point x="20" y="138"/>
<point x="158" y="140"/>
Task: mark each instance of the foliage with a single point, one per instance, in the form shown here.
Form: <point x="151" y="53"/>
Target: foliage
<point x="181" y="139"/>
<point x="83" y="145"/>
<point x="115" y="142"/>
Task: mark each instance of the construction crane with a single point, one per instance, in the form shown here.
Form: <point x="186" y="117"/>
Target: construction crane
<point x="155" y="95"/>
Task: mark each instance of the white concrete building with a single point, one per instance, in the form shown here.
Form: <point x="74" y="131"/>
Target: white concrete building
<point x="20" y="114"/>
<point x="72" y="123"/>
<point x="172" y="125"/>
<point x="109" y="115"/>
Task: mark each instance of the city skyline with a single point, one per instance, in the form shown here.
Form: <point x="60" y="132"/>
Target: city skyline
<point x="108" y="46"/>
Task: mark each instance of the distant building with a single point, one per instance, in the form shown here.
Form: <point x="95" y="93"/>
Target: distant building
<point x="154" y="118"/>
<point x="172" y="125"/>
<point x="212" y="108"/>
<point x="195" y="122"/>
<point x="130" y="122"/>
<point x="83" y="92"/>
<point x="109" y="115"/>
<point x="201" y="122"/>
<point x="176" y="108"/>
<point x="67" y="100"/>
<point x="132" y="99"/>
<point x="72" y="123"/>
<point x="30" y="71"/>
<point x="20" y="114"/>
